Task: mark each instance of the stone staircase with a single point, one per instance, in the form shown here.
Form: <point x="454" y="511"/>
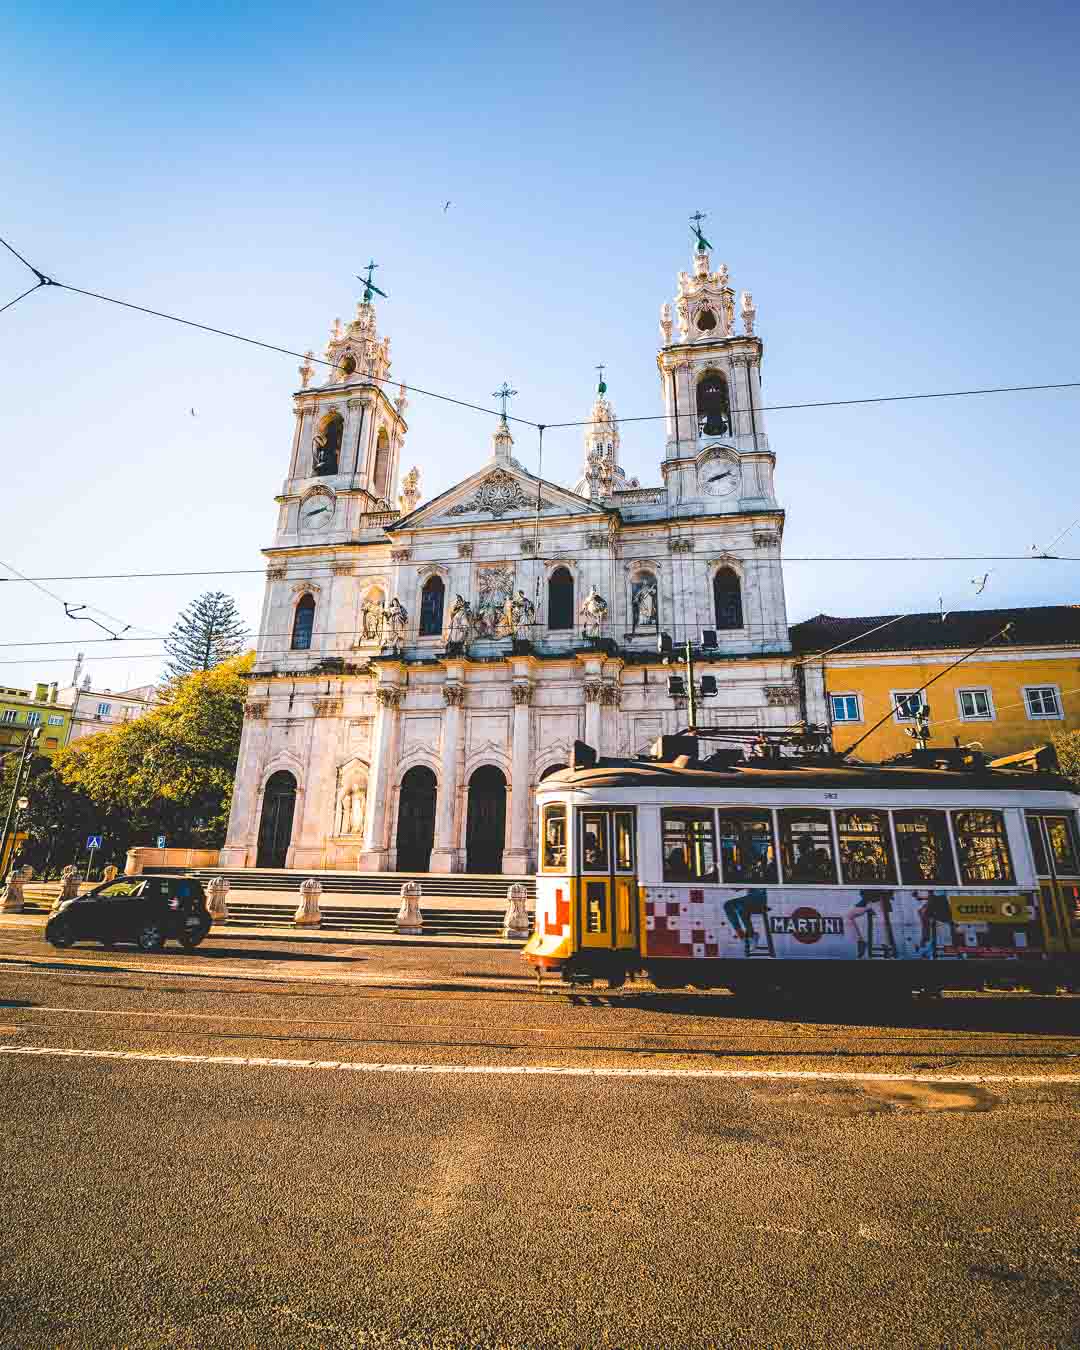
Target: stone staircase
<point x="442" y="922"/>
<point x="453" y="886"/>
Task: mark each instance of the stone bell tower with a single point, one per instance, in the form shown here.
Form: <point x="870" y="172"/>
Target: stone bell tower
<point x="602" y="474"/>
<point x="348" y="436"/>
<point x="716" y="449"/>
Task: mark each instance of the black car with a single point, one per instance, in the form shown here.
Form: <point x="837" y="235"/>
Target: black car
<point x="145" y="910"/>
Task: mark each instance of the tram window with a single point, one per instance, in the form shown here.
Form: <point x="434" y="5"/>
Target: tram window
<point x="555" y="838"/>
<point x="1038" y="848"/>
<point x="806" y="846"/>
<point x="689" y="844"/>
<point x="747" y="849"/>
<point x="1062" y="845"/>
<point x="922" y="839"/>
<point x="594" y="844"/>
<point x="865" y="847"/>
<point x="624" y="841"/>
<point x="983" y="850"/>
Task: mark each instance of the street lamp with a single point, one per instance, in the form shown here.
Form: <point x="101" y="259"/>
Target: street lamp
<point x="684" y="689"/>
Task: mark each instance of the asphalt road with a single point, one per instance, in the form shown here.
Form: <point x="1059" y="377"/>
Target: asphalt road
<point x="441" y="1155"/>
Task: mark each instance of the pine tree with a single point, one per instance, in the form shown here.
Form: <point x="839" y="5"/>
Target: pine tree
<point x="208" y="632"/>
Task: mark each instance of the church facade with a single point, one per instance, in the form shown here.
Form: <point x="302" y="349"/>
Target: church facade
<point x="420" y="669"/>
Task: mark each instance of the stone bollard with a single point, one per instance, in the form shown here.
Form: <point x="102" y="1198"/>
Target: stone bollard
<point x="216" y="902"/>
<point x="69" y="886"/>
<point x="11" y="900"/>
<point x="409" y="918"/>
<point x="307" y="913"/>
<point x="516" y="921"/>
<point x="110" y="873"/>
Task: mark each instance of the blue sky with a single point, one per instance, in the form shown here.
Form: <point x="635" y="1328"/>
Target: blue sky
<point x="896" y="185"/>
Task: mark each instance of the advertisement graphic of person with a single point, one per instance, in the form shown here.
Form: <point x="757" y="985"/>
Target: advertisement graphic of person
<point x="933" y="909"/>
<point x="740" y="909"/>
<point x="871" y="906"/>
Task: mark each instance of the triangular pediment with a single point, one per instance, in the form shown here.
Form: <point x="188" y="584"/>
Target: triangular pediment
<point x="499" y="492"/>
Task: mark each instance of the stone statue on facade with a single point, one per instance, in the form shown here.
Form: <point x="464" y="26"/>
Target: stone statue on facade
<point x="461" y="620"/>
<point x="410" y="491"/>
<point x="344" y="821"/>
<point x="522" y="616"/>
<point x="644" y="605"/>
<point x="371" y="619"/>
<point x="593" y="613"/>
<point x="394" y="625"/>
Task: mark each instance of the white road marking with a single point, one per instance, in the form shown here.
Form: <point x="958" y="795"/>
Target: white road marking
<point x="534" y="1071"/>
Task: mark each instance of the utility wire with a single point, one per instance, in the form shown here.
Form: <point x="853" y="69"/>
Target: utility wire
<point x="44" y="280"/>
<point x="11" y="303"/>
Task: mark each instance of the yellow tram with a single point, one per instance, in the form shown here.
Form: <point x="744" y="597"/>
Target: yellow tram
<point x="761" y="874"/>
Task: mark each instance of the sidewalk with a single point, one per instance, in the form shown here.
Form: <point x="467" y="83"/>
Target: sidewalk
<point x="316" y="936"/>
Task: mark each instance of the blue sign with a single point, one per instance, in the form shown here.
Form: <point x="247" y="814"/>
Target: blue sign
<point x="93" y="841"/>
<point x="161" y="841"/>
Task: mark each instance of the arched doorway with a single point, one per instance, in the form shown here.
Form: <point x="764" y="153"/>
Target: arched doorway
<point x="485" y="833"/>
<point x="416" y="819"/>
<point x="275" y="827"/>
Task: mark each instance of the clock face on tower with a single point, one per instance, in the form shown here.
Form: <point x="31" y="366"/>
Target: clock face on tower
<point x="317" y="512"/>
<point x="721" y="479"/>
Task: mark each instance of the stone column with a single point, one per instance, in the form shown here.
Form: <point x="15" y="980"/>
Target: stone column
<point x="446" y="855"/>
<point x="384" y="741"/>
<point x="610" y="701"/>
<point x="516" y="856"/>
<point x="316" y="804"/>
<point x="242" y="838"/>
<point x="354" y="419"/>
<point x="593" y="688"/>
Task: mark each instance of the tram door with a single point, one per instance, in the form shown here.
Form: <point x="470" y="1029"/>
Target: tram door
<point x="1057" y="865"/>
<point x="607" y="885"/>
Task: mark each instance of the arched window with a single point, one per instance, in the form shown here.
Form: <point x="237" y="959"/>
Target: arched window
<point x="382" y="463"/>
<point x="431" y="607"/>
<point x="303" y="623"/>
<point x="561" y="599"/>
<point x="727" y="598"/>
<point x="713" y="408"/>
<point x="328" y="446"/>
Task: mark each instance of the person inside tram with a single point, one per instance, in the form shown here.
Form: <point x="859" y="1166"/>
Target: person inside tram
<point x="811" y="863"/>
<point x="676" y="866"/>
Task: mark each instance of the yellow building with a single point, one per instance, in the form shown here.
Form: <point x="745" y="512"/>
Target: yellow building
<point x="1011" y="696"/>
<point x="22" y="709"/>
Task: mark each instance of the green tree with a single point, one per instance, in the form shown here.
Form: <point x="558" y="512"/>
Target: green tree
<point x="171" y="771"/>
<point x="208" y="632"/>
<point x="59" y="820"/>
<point x="1067" y="745"/>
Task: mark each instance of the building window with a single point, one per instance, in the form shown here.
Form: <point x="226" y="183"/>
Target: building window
<point x="327" y="451"/>
<point x="382" y="463"/>
<point x="982" y="846"/>
<point x="561" y="599"/>
<point x="845" y="708"/>
<point x="727" y="599"/>
<point x="689" y="844"/>
<point x="713" y="408"/>
<point x="33" y="719"/>
<point x="51" y="741"/>
<point x="56" y="719"/>
<point x="1043" y="700"/>
<point x="907" y="705"/>
<point x="9" y="716"/>
<point x="431" y="607"/>
<point x="104" y="709"/>
<point x="303" y="624"/>
<point x="975" y="705"/>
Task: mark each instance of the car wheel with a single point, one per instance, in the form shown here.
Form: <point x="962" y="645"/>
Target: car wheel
<point x="60" y="934"/>
<point x="191" y="937"/>
<point x="150" y="937"/>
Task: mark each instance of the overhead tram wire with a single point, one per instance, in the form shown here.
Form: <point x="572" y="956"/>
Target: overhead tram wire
<point x="44" y="280"/>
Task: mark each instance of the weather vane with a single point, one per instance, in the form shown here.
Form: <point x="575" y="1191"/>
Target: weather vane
<point x="370" y="288"/>
<point x="505" y="394"/>
<point x="695" y="225"/>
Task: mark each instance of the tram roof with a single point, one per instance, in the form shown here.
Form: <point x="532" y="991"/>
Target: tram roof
<point x="803" y="774"/>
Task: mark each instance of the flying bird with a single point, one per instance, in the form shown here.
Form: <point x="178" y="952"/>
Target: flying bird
<point x="194" y="413"/>
<point x="980" y="582"/>
<point x="446" y="207"/>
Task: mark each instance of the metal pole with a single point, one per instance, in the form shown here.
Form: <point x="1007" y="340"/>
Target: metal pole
<point x="690" y="691"/>
<point x="89" y="862"/>
<point x="24" y="756"/>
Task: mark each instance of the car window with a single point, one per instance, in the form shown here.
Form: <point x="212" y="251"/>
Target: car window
<point x="119" y="890"/>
